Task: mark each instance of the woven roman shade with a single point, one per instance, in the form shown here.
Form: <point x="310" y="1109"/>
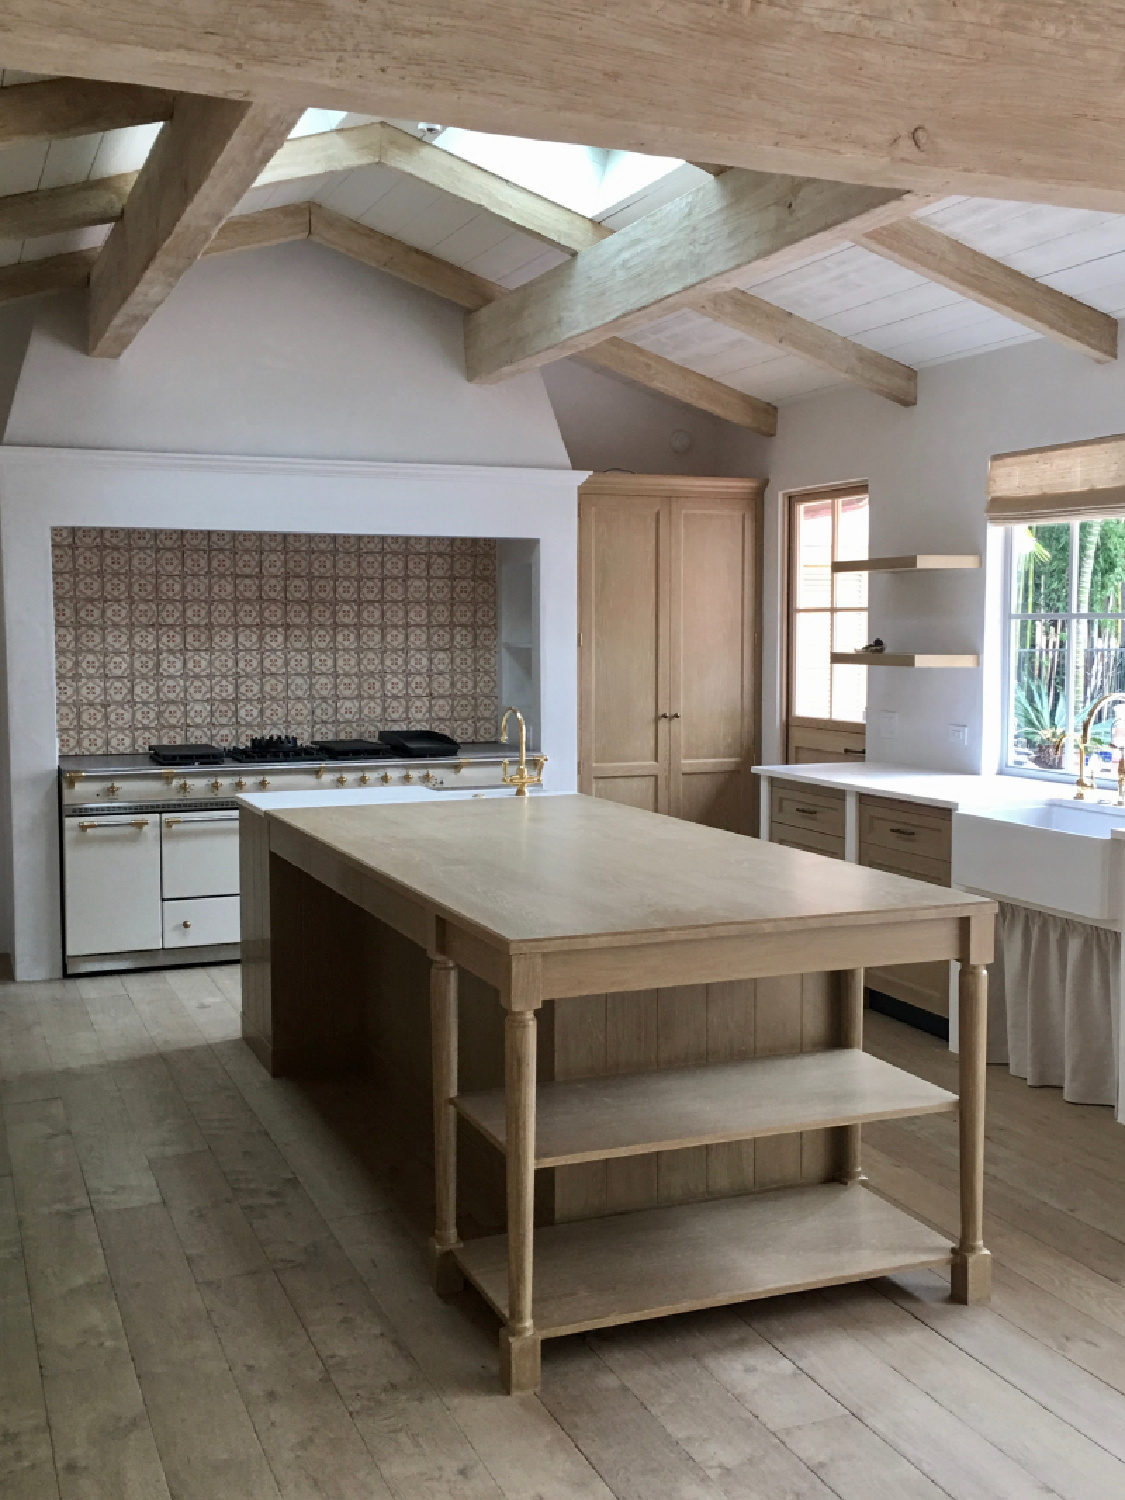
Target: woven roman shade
<point x="1069" y="482"/>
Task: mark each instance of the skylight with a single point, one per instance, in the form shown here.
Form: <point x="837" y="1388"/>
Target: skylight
<point x="588" y="179"/>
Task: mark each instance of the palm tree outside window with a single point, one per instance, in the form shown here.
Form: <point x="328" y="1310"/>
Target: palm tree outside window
<point x="1066" y="647"/>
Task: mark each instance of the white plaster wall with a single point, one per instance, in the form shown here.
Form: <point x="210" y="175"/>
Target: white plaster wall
<point x="607" y="422"/>
<point x="927" y="468"/>
<point x="43" y="487"/>
<point x="293" y="351"/>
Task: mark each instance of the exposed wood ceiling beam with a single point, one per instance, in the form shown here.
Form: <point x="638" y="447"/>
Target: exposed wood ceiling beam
<point x="659" y="374"/>
<point x="271" y="226"/>
<point x="471" y="292"/>
<point x="939" y="258"/>
<point x="81" y="205"/>
<point x="57" y="107"/>
<point x="204" y="160"/>
<point x="55" y="273"/>
<point x="992" y="99"/>
<point x="770" y="324"/>
<point x="529" y="211"/>
<point x="695" y="245"/>
<point x="386" y="254"/>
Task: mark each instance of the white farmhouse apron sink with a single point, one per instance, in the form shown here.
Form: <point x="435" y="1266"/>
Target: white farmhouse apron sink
<point x="1062" y="856"/>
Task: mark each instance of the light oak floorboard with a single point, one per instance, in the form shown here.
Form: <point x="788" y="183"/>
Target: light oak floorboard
<point x="214" y="1284"/>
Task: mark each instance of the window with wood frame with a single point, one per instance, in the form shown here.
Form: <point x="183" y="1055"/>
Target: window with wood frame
<point x="827" y="705"/>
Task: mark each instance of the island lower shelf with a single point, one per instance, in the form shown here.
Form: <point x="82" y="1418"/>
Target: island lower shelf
<point x="594" y="1119"/>
<point x="596" y="1273"/>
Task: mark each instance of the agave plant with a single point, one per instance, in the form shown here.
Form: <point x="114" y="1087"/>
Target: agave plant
<point x="1041" y="721"/>
<point x="1042" y="724"/>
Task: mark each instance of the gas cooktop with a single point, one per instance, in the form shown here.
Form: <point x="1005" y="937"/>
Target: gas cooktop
<point x="285" y="747"/>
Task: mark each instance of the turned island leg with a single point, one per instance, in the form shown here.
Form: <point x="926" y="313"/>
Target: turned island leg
<point x="972" y="1263"/>
<point x="519" y="1342"/>
<point x="851" y="982"/>
<point x="443" y="1032"/>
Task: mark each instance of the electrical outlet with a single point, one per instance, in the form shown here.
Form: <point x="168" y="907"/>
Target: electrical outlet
<point x="958" y="734"/>
<point x="888" y="724"/>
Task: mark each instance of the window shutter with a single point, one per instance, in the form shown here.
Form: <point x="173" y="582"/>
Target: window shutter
<point x="1069" y="482"/>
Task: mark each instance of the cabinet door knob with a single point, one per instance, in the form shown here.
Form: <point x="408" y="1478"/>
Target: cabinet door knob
<point x="673" y="716"/>
<point x="664" y="716"/>
<point x="186" y="923"/>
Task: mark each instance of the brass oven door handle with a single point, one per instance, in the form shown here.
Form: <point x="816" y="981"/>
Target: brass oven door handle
<point x="193" y="822"/>
<point x="94" y="827"/>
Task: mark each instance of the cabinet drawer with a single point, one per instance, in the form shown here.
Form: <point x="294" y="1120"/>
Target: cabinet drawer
<point x="199" y="854"/>
<point x="801" y="807"/>
<point x="812" y="839"/>
<point x="199" y="923"/>
<point x="906" y="862"/>
<point x="905" y="827"/>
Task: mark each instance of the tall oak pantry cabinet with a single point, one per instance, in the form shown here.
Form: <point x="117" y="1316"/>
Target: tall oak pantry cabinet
<point x="669" y="644"/>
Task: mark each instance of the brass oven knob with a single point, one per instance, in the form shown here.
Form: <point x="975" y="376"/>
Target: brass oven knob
<point x="386" y="778"/>
<point x="216" y="785"/>
<point x="264" y="782"/>
<point x="341" y="780"/>
<point x="365" y="780"/>
<point x="240" y="784"/>
<point x="112" y="789"/>
<point x="428" y="777"/>
<point x="408" y="776"/>
<point x="185" y="785"/>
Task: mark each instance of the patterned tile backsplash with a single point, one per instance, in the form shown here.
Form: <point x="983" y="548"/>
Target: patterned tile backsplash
<point x="165" y="637"/>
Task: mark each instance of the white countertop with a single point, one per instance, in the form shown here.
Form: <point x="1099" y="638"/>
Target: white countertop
<point x="261" y="802"/>
<point x="937" y="788"/>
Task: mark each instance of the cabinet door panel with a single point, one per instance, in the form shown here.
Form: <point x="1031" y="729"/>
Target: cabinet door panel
<point x="633" y="791"/>
<point x="624" y="657"/>
<point x="713" y="641"/>
<point x="112" y="884"/>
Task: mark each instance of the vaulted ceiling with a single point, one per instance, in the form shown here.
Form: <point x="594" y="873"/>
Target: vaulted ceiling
<point x="733" y="290"/>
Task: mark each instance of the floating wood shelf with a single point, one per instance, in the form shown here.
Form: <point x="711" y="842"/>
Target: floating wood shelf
<point x="917" y="562"/>
<point x="594" y="1273"/>
<point x="592" y="1119"/>
<point x="903" y="659"/>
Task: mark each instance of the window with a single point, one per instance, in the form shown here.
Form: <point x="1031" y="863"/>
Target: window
<point x="828" y="611"/>
<point x="1066" y="613"/>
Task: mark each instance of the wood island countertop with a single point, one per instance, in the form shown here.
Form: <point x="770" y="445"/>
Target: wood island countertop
<point x="567" y="869"/>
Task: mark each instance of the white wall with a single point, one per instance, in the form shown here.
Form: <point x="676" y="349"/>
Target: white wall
<point x="607" y="422"/>
<point x="289" y="389"/>
<point x="927" y="468"/>
<point x="294" y="351"/>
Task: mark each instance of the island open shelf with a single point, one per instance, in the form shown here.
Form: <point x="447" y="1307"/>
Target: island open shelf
<point x="599" y="1272"/>
<point x="594" y="1119"/>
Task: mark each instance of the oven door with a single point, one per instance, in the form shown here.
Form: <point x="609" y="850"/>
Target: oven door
<point x="111" y="867"/>
<point x="199" y="854"/>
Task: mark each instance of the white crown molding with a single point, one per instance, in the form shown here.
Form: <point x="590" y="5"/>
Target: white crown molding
<point x="18" y="456"/>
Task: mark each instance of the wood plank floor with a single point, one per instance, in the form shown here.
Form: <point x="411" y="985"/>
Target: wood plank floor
<point x="213" y="1285"/>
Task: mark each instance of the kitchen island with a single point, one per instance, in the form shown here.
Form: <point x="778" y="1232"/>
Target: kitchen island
<point x="619" y="947"/>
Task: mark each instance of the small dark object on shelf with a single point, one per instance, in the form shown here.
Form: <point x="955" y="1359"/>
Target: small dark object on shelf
<point x="876" y="645"/>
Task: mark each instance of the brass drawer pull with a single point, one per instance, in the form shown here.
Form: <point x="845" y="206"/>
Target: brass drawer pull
<point x="907" y="833"/>
<point x="809" y="812"/>
<point x="93" y="827"/>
